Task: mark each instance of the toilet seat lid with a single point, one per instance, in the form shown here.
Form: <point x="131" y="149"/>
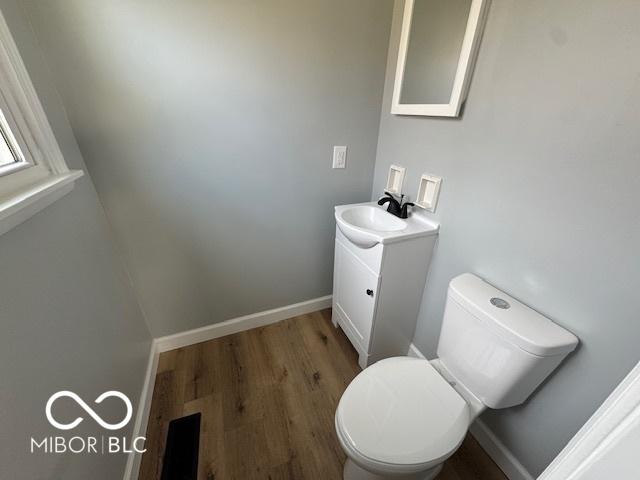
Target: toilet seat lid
<point x="401" y="411"/>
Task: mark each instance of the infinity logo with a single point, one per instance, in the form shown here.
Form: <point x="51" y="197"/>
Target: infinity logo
<point x="89" y="410"/>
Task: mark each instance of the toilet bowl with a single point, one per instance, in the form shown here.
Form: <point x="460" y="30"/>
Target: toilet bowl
<point x="402" y="417"/>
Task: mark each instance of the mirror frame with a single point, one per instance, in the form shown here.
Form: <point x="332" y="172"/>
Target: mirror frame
<point x="466" y="62"/>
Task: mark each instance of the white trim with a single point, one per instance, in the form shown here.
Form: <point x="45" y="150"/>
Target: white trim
<point x="491" y="444"/>
<point x="27" y="202"/>
<point x="13" y="167"/>
<point x="498" y="452"/>
<point x="466" y="62"/>
<point x="602" y="433"/>
<point x="414" y="352"/>
<point x="132" y="468"/>
<point x="241" y="324"/>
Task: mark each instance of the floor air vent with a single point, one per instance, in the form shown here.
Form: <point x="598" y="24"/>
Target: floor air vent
<point x="181" y="454"/>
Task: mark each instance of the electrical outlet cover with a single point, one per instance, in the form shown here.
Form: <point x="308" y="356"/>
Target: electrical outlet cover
<point x="339" y="157"/>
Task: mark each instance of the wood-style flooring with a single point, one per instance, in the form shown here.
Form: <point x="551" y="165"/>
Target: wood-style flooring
<point x="267" y="398"/>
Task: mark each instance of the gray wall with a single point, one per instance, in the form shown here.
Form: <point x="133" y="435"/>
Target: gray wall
<point x="208" y="129"/>
<point x="540" y="194"/>
<point x="214" y="170"/>
<point x="68" y="317"/>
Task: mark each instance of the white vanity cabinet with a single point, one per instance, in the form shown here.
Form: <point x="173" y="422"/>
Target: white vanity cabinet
<point x="377" y="292"/>
<point x="355" y="293"/>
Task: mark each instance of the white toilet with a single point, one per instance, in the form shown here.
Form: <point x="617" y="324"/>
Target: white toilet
<point x="402" y="417"/>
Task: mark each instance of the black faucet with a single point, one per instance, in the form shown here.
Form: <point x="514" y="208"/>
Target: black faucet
<point x="396" y="208"/>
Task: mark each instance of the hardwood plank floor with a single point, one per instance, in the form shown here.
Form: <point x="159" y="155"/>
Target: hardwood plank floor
<point x="267" y="398"/>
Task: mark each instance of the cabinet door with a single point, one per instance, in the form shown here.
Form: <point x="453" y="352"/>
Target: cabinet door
<point x="355" y="289"/>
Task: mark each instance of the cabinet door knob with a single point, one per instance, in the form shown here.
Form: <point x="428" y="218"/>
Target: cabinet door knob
<point x="369" y="292"/>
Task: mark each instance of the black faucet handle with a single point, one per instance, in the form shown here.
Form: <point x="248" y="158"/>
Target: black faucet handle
<point x="403" y="211"/>
<point x="394" y="205"/>
<point x="387" y="197"/>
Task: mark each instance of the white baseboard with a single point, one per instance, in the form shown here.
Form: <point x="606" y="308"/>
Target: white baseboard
<point x="142" y="417"/>
<point x="497" y="450"/>
<point x="198" y="335"/>
<point x="414" y="352"/>
<point x="240" y="324"/>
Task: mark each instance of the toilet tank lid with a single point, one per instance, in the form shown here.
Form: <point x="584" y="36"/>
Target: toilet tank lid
<point x="518" y="324"/>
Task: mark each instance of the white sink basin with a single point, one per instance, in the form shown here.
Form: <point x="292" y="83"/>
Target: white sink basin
<point x="372" y="218"/>
<point x="368" y="224"/>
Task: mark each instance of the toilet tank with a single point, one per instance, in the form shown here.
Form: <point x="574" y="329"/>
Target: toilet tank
<point x="497" y="347"/>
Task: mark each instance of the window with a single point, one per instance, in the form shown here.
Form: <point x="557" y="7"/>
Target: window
<point x="10" y="153"/>
<point x="33" y="173"/>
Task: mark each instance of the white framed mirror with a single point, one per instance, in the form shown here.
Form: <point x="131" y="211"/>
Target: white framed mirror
<point x="438" y="48"/>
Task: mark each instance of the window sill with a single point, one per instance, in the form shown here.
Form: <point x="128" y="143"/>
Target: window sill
<point x="26" y="202"/>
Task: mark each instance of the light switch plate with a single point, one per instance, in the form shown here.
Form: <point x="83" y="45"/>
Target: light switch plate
<point x="339" y="157"/>
<point x="428" y="192"/>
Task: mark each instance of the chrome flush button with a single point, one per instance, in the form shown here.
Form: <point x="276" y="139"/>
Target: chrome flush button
<point x="500" y="303"/>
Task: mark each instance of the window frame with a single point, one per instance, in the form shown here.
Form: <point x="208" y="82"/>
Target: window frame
<point x="41" y="176"/>
<point x="17" y="149"/>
